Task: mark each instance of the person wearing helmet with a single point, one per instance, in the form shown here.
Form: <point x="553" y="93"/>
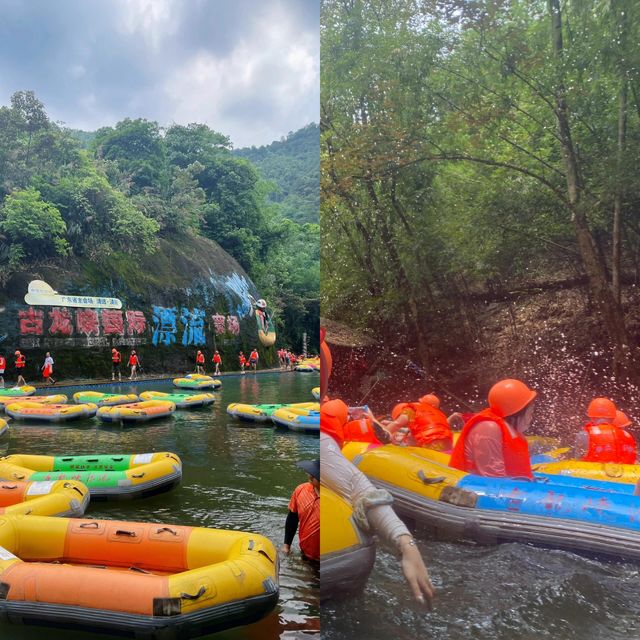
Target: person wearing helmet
<point x="116" y="359"/>
<point x="492" y="442"/>
<point x="200" y="362"/>
<point x="346" y="480"/>
<point x="601" y="439"/>
<point x="20" y="364"/>
<point x="421" y="424"/>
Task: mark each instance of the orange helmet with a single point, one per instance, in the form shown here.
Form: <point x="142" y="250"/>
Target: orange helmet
<point x="621" y="420"/>
<point x="509" y="396"/>
<point x="333" y="416"/>
<point x="601" y="408"/>
<point x="431" y="399"/>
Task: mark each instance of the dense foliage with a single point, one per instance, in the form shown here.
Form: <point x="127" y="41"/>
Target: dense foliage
<point x="292" y="164"/>
<point x="476" y="148"/>
<point x="118" y="190"/>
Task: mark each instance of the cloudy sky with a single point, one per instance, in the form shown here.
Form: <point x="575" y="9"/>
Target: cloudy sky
<point x="247" y="68"/>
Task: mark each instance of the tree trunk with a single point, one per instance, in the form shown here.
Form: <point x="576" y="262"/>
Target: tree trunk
<point x="617" y="203"/>
<point x="604" y="299"/>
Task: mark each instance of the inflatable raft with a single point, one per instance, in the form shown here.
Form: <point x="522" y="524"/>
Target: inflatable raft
<point x="112" y="477"/>
<point x="26" y="410"/>
<point x="104" y="399"/>
<point x="346" y="554"/>
<point x="18" y="392"/>
<point x="145" y="580"/>
<point x="4" y="427"/>
<point x="181" y="400"/>
<point x="263" y="412"/>
<point x="59" y="498"/>
<point x="136" y="411"/>
<point x="58" y="398"/>
<point x="305" y="368"/>
<point x="604" y="471"/>
<point x="315" y="392"/>
<point x="581" y="515"/>
<point x="197" y="381"/>
<point x="305" y="420"/>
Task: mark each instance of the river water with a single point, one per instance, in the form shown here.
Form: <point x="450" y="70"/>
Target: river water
<point x="510" y="591"/>
<point x="234" y="477"/>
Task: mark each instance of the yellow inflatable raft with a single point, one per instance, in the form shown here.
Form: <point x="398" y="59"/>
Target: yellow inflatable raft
<point x="25" y="410"/>
<point x="137" y="411"/>
<point x="607" y="471"/>
<point x="58" y="398"/>
<point x="315" y="392"/>
<point x="104" y="399"/>
<point x="133" y="579"/>
<point x="19" y="392"/>
<point x="58" y="498"/>
<point x="197" y="381"/>
<point x="108" y="477"/>
<point x="346" y="554"/>
<point x="181" y="400"/>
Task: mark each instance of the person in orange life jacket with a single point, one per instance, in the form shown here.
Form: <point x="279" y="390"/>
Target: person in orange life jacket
<point x="200" y="362"/>
<point x="304" y="509"/>
<point x="243" y="361"/>
<point x="492" y="442"/>
<point x="116" y="360"/>
<point x="421" y="424"/>
<point x="601" y="440"/>
<point x="253" y="359"/>
<point x="133" y="363"/>
<point x="372" y="505"/>
<point x="217" y="360"/>
<point x="3" y="366"/>
<point x="20" y="364"/>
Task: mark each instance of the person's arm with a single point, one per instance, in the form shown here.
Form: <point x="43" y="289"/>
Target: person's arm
<point x="290" y="529"/>
<point x="342" y="477"/>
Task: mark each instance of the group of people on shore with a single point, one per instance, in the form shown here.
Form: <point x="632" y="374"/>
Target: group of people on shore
<point x="20" y="364"/>
<point x="287" y="359"/>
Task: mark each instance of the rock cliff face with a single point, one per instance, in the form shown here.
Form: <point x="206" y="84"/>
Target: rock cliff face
<point x="188" y="295"/>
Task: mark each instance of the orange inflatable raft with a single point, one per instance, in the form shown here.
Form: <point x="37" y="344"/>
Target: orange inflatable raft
<point x="56" y="498"/>
<point x="133" y="579"/>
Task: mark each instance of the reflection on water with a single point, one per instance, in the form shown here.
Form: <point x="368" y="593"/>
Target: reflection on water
<point x="234" y="477"/>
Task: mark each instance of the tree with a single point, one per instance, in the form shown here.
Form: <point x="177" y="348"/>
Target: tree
<point x="34" y="228"/>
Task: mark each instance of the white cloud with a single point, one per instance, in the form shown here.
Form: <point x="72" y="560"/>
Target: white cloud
<point x="148" y="19"/>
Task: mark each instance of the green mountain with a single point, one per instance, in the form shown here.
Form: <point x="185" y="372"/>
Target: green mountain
<point x="293" y="164"/>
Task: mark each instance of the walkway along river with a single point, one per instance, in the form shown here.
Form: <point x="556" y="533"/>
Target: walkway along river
<point x="234" y="477"/>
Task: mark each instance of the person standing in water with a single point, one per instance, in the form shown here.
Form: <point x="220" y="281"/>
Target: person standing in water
<point x="47" y="369"/>
<point x="243" y="361"/>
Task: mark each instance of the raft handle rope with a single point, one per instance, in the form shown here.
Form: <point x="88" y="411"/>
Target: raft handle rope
<point x="423" y="476"/>
<point x="68" y="485"/>
<point x="89" y="525"/>
<point x="139" y="570"/>
<point x="195" y="596"/>
<point x="371" y="499"/>
<point x="9" y="486"/>
<point x="137" y="475"/>
<point x="168" y="530"/>
<point x="123" y="532"/>
<point x="18" y="476"/>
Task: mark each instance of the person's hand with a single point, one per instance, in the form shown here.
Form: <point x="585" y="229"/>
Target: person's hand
<point x="286" y="549"/>
<point x="415" y="571"/>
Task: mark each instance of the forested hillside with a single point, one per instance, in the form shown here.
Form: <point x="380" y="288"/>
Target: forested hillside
<point x="136" y="184"/>
<point x="293" y="164"/>
<point x="480" y="189"/>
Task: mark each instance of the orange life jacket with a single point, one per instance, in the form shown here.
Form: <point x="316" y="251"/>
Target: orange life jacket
<point x="200" y="358"/>
<point x="133" y="360"/>
<point x="115" y="357"/>
<point x="20" y="361"/>
<point x="217" y="358"/>
<point x="359" y="431"/>
<point x="3" y="362"/>
<point x="426" y="423"/>
<point x="608" y="443"/>
<point x="515" y="449"/>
